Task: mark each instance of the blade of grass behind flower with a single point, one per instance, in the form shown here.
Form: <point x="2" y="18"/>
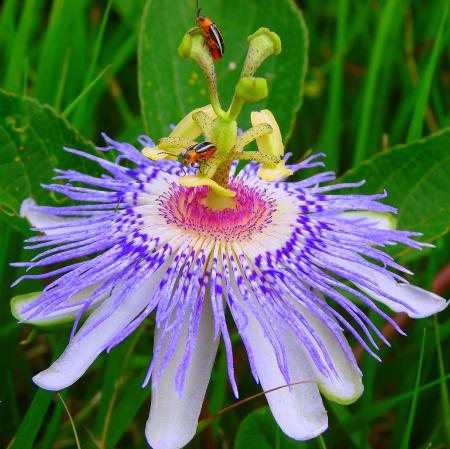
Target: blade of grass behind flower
<point x="113" y="382"/>
<point x="53" y="425"/>
<point x="7" y="26"/>
<point x="423" y="92"/>
<point x="82" y="94"/>
<point x="321" y="442"/>
<point x="26" y="70"/>
<point x="131" y="399"/>
<point x="330" y="141"/>
<point x="53" y="49"/>
<point x="33" y="420"/>
<point x="370" y="367"/>
<point x="390" y="13"/>
<point x="18" y="53"/>
<point x="445" y="401"/>
<point x="79" y="117"/>
<point x="409" y="426"/>
<point x="34" y="417"/>
<point x="62" y="81"/>
<point x="352" y="422"/>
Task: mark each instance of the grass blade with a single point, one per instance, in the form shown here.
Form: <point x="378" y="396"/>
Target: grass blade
<point x="92" y="66"/>
<point x="423" y="93"/>
<point x="322" y="444"/>
<point x="18" y="53"/>
<point x="333" y="120"/>
<point x="74" y="103"/>
<point x="409" y="426"/>
<point x="444" y="390"/>
<point x="62" y="81"/>
<point x="33" y="420"/>
<point x="53" y="426"/>
<point x="391" y="12"/>
<point x="53" y="49"/>
<point x="7" y="26"/>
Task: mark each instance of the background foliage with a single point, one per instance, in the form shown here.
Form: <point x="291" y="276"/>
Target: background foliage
<point x="378" y="80"/>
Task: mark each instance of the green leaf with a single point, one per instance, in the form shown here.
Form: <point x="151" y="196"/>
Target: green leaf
<point x="170" y="87"/>
<point x="32" y="137"/>
<point x="416" y="177"/>
<point x="260" y="431"/>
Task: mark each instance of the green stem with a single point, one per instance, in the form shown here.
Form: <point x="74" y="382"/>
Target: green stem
<point x="201" y="56"/>
<point x="236" y="106"/>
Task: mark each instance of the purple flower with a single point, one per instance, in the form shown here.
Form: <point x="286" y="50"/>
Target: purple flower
<point x="291" y="263"/>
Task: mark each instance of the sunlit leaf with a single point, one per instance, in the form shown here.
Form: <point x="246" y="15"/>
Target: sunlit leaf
<point x="416" y="177"/>
<point x="32" y="137"/>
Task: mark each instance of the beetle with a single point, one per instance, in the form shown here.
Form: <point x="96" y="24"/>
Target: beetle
<point x="212" y="35"/>
<point x="199" y="152"/>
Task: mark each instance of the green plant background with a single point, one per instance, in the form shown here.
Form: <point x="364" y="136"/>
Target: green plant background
<point x="375" y="98"/>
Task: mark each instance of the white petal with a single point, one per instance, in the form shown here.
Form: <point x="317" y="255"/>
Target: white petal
<point x="298" y="410"/>
<point x="173" y="419"/>
<point x="423" y="302"/>
<point x="79" y="355"/>
<point x="348" y="387"/>
<point x="39" y="219"/>
<point x="68" y="313"/>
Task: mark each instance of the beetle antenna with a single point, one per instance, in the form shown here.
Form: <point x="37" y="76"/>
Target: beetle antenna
<point x="198" y="9"/>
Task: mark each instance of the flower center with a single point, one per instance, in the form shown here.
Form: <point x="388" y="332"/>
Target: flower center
<point x="185" y="207"/>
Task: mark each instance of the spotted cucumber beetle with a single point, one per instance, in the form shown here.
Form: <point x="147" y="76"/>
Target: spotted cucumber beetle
<point x="196" y="153"/>
<point x="199" y="152"/>
<point x="212" y="35"/>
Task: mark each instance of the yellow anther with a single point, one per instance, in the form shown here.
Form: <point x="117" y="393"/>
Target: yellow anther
<point x="189" y="128"/>
<point x="273" y="174"/>
<point x="269" y="143"/>
<point x="156" y="154"/>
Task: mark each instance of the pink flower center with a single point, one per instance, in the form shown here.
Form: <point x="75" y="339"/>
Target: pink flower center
<point x="185" y="207"/>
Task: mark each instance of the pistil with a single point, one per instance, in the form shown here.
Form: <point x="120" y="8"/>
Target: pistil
<point x="220" y="127"/>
